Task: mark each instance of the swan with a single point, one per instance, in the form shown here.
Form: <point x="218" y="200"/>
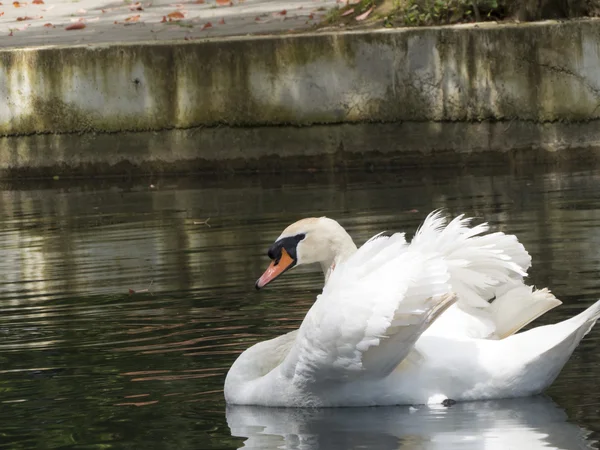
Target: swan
<point x="371" y="338"/>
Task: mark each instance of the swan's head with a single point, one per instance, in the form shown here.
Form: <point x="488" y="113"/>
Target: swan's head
<point x="312" y="240"/>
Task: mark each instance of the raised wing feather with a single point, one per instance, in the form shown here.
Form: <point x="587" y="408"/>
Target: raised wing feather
<point x="478" y="263"/>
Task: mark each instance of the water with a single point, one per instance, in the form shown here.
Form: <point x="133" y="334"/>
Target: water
<point x="121" y="309"/>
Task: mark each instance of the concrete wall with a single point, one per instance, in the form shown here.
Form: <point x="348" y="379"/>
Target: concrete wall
<point x="532" y="74"/>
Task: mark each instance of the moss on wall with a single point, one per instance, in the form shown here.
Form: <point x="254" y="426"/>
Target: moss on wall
<point x="540" y="72"/>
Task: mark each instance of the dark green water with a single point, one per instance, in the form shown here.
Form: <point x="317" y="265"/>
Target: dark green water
<point x="86" y="364"/>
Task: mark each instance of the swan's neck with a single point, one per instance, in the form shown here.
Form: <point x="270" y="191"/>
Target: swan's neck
<point x="341" y="249"/>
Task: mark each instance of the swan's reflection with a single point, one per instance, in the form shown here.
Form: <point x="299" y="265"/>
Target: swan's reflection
<point x="529" y="423"/>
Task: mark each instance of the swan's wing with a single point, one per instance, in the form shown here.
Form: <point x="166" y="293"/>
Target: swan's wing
<point x="479" y="264"/>
<point x="370" y="313"/>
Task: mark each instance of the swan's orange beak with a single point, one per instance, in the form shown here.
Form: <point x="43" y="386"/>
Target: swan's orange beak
<point x="276" y="268"/>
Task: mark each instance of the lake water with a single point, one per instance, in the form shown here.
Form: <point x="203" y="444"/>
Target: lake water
<point x="121" y="308"/>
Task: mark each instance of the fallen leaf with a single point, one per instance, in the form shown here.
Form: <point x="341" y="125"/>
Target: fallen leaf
<point x="207" y="25"/>
<point x="37" y="2"/>
<point x="132" y="18"/>
<point x="17" y="4"/>
<point x="260" y="20"/>
<point x="136" y="7"/>
<point x="282" y="13"/>
<point x="1" y="14"/>
<point x="164" y="19"/>
<point x="48" y="25"/>
<point x="224" y="2"/>
<point x="364" y="15"/>
<point x="20" y="19"/>
<point x="175" y="15"/>
<point x="347" y="13"/>
<point x="75" y="26"/>
<point x="222" y="22"/>
<point x="311" y="16"/>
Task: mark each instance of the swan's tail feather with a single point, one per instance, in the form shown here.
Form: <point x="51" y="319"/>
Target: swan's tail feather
<point x="586" y="319"/>
<point x="518" y="307"/>
<point x="545" y="350"/>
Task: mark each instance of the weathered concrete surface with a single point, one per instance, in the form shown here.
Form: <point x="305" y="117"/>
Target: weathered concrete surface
<point x="142" y="20"/>
<point x="535" y="72"/>
<point x="470" y="90"/>
<point x="304" y="149"/>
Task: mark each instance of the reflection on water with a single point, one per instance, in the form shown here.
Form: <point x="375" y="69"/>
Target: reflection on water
<point x="121" y="309"/>
<point x="523" y="423"/>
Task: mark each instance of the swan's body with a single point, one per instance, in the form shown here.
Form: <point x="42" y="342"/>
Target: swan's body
<point x="386" y="329"/>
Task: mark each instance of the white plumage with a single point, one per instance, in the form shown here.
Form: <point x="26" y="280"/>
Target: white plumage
<point x="386" y="328"/>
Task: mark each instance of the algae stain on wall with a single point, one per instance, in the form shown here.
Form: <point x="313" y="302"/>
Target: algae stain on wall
<point x="541" y="73"/>
<point x="330" y="87"/>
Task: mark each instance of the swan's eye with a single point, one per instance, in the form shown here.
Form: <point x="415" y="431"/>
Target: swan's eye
<point x="289" y="243"/>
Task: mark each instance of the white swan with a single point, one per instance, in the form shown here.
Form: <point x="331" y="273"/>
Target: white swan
<point x="371" y="337"/>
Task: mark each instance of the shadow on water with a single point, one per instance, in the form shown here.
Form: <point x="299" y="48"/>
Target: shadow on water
<point x="522" y="423"/>
<point x="121" y="308"/>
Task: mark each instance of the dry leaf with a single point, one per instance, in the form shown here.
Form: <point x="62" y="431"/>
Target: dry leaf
<point x="1" y="13"/>
<point x="364" y="15"/>
<point x="282" y="13"/>
<point x="164" y="19"/>
<point x="17" y="4"/>
<point x="136" y="7"/>
<point x="175" y="15"/>
<point x="48" y="25"/>
<point x="132" y="18"/>
<point x="75" y="26"/>
<point x="207" y="25"/>
<point x="224" y="2"/>
<point x="37" y="2"/>
<point x="20" y="19"/>
<point x="222" y="22"/>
